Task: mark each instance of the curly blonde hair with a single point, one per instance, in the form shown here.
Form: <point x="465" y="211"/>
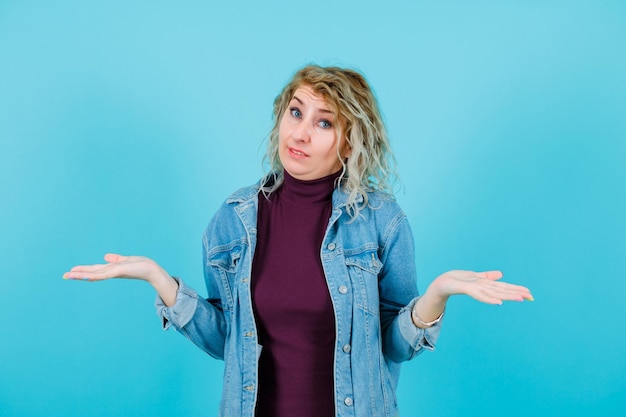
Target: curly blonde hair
<point x="371" y="165"/>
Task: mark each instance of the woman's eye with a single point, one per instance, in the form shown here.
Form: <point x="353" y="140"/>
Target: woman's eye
<point x="295" y="112"/>
<point x="325" y="124"/>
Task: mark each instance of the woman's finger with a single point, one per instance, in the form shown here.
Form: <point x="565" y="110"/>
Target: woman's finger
<point x="88" y="268"/>
<point x="91" y="272"/>
<point x="117" y="258"/>
<point x="491" y="275"/>
<point x="114" y="257"/>
<point x="485" y="297"/>
<point x="508" y="292"/>
<point x="506" y="288"/>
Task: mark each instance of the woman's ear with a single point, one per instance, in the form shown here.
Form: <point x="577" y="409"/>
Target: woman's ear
<point x="347" y="150"/>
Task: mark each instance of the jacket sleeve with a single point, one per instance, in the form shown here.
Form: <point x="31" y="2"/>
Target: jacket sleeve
<point x="401" y="339"/>
<point x="196" y="318"/>
<point x="203" y="321"/>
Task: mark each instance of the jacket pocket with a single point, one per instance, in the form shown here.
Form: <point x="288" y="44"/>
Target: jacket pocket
<point x="363" y="268"/>
<point x="225" y="261"/>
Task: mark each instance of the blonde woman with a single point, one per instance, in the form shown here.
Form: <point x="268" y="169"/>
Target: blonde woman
<point x="312" y="298"/>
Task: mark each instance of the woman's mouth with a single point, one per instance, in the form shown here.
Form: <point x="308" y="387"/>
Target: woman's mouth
<point x="297" y="153"/>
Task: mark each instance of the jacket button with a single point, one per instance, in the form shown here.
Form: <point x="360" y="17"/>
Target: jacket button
<point x="248" y="334"/>
<point x="346" y="348"/>
<point x="331" y="246"/>
<point x="249" y="387"/>
<point x="348" y="401"/>
<point x="343" y="289"/>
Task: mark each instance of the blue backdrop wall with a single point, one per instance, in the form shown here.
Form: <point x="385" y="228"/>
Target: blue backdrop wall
<point x="123" y="126"/>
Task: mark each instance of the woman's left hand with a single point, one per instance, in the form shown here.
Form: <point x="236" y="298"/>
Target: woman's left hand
<point x="482" y="286"/>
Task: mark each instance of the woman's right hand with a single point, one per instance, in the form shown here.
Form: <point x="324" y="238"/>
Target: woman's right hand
<point x="133" y="267"/>
<point x="118" y="266"/>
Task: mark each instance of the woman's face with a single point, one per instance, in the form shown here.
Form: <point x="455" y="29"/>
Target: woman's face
<point x="307" y="137"/>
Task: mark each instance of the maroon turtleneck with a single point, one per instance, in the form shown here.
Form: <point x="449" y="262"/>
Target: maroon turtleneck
<point x="292" y="306"/>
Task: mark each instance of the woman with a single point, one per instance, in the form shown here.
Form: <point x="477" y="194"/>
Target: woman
<point x="312" y="298"/>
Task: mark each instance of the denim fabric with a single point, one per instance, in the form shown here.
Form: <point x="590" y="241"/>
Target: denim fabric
<point x="370" y="271"/>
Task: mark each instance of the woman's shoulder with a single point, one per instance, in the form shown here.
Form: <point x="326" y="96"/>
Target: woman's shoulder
<point x="374" y="208"/>
<point x="382" y="197"/>
<point x="382" y="201"/>
<point x="240" y="196"/>
<point x="384" y="207"/>
<point x="244" y="193"/>
<point x="226" y="219"/>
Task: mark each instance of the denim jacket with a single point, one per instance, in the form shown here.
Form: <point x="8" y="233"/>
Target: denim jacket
<point x="370" y="271"/>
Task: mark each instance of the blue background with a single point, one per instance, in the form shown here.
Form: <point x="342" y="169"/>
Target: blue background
<point x="123" y="125"/>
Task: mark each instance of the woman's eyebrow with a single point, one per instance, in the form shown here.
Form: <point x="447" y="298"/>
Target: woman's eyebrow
<point x="302" y="103"/>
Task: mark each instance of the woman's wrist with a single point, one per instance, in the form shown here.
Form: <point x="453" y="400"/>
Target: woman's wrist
<point x="166" y="286"/>
<point x="157" y="276"/>
<point x="417" y="320"/>
<point x="436" y="293"/>
<point x="428" y="309"/>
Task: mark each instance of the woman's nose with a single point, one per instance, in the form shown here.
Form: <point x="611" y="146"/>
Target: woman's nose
<point x="301" y="132"/>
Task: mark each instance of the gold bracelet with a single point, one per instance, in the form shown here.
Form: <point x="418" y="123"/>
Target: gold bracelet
<point x="422" y="322"/>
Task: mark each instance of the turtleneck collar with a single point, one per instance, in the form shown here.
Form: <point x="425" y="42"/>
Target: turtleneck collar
<point x="301" y="192"/>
